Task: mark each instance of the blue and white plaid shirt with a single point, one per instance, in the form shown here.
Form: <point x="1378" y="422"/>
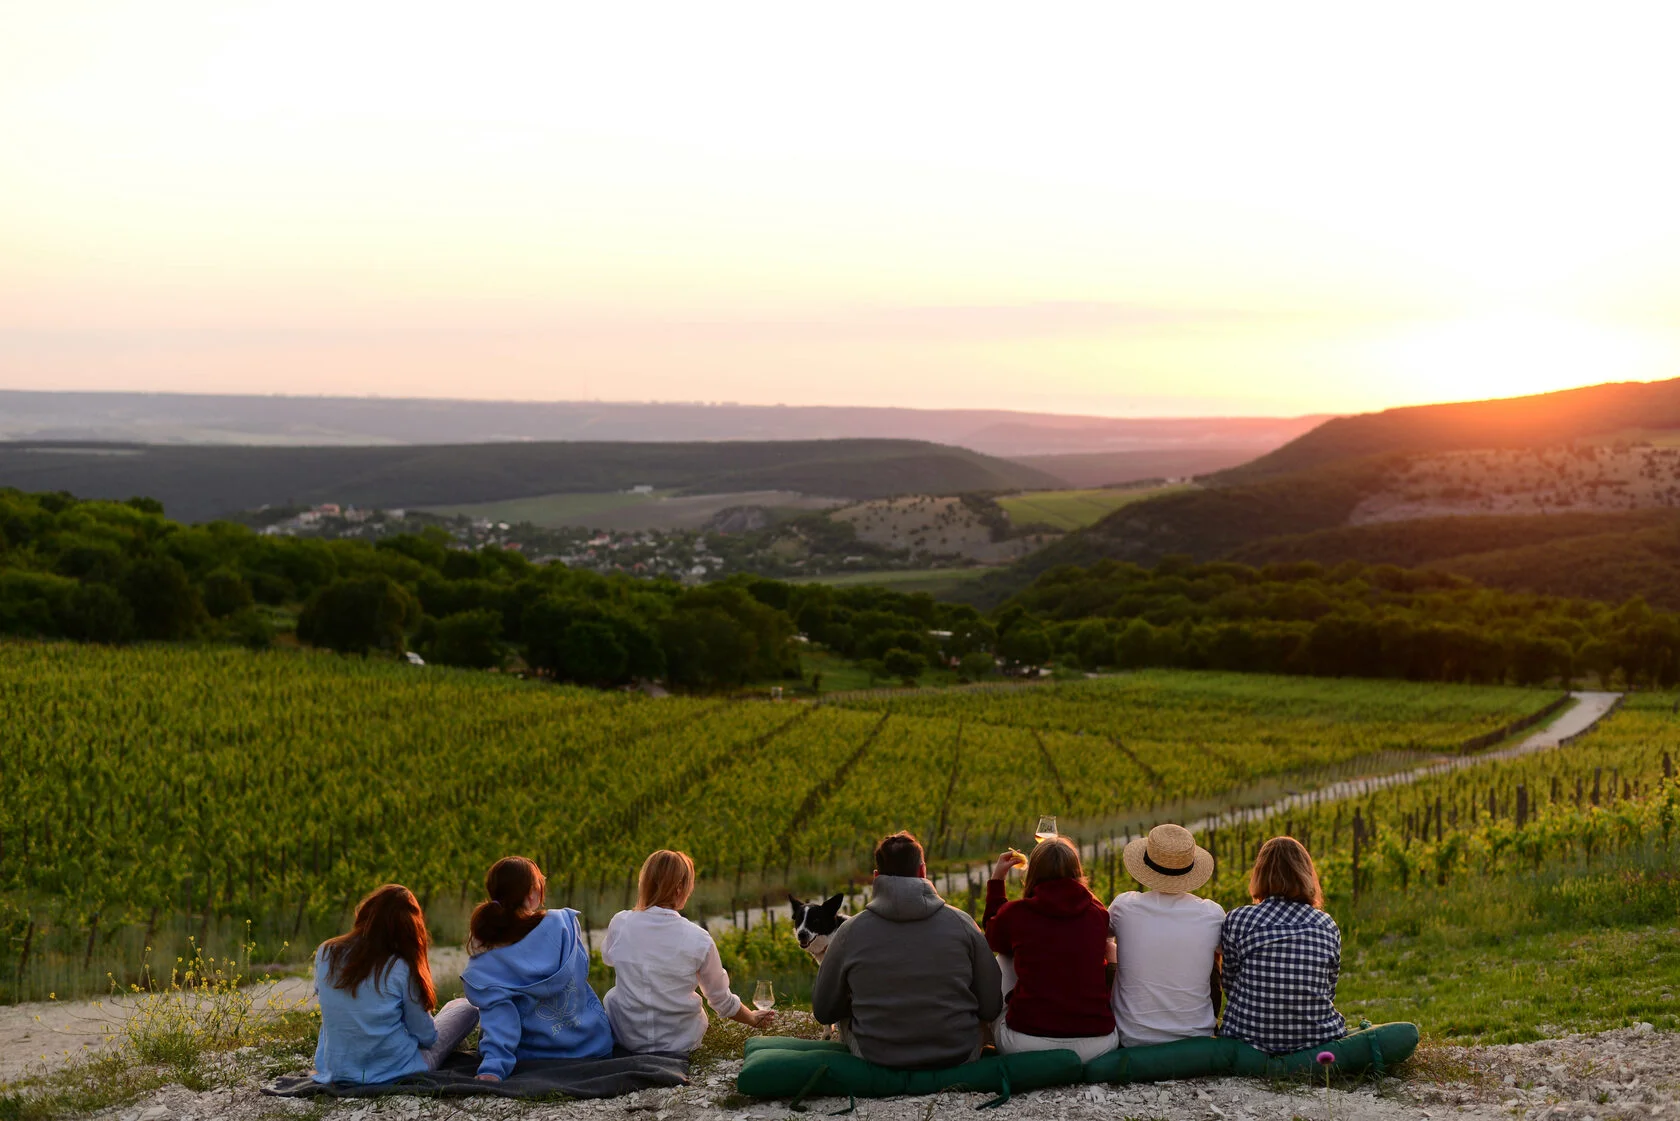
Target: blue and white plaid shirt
<point x="1281" y="963"/>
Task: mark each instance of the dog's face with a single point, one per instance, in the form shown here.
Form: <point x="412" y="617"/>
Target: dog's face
<point x="815" y="923"/>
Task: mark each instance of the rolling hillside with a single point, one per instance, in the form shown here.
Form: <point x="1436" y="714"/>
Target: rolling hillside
<point x="1571" y="493"/>
<point x="196" y="483"/>
<point x="1594" y="413"/>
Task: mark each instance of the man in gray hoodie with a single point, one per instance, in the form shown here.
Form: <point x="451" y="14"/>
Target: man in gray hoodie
<point x="910" y="980"/>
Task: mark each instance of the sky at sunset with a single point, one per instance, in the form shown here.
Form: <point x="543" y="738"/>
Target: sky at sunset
<point x="1124" y="209"/>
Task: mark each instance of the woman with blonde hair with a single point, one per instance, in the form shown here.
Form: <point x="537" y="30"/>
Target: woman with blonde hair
<point x="1282" y="956"/>
<point x="1056" y="938"/>
<point x="659" y="959"/>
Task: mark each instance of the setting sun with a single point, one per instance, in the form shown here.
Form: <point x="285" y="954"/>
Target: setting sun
<point x="1511" y="355"/>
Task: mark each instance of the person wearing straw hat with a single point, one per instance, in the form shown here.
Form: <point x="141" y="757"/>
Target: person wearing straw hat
<point x="1166" y="982"/>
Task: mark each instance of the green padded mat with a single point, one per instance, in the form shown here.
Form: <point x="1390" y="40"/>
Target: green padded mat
<point x="1373" y="1049"/>
<point x="778" y="1067"/>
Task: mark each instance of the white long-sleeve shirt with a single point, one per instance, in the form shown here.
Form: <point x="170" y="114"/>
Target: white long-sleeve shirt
<point x="659" y="958"/>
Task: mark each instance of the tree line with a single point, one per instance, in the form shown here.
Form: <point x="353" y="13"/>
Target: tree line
<point x="1349" y="620"/>
<point x="115" y="572"/>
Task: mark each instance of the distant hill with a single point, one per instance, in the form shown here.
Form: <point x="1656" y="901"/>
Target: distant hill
<point x="1557" y="493"/>
<point x="176" y="418"/>
<point x="196" y="483"/>
<point x="1101" y="469"/>
<point x="1547" y="419"/>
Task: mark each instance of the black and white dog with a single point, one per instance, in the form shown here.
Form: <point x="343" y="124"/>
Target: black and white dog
<point x="814" y="924"/>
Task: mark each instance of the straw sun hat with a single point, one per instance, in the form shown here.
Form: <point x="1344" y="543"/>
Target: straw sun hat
<point x="1169" y="859"/>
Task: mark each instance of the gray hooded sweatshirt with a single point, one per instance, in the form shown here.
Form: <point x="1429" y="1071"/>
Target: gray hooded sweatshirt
<point x="913" y="976"/>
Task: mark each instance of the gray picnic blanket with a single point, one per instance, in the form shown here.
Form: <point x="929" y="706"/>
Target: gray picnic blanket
<point x="537" y="1078"/>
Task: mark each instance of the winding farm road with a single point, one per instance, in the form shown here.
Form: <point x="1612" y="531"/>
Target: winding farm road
<point x="1588" y="709"/>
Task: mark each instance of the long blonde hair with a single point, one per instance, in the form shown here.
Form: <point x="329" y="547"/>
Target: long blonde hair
<point x="666" y="880"/>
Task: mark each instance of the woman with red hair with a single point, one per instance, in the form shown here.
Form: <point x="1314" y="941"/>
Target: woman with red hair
<point x="376" y="994"/>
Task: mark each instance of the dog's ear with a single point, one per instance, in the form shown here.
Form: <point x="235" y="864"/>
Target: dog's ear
<point x="832" y="904"/>
<point x="798" y="907"/>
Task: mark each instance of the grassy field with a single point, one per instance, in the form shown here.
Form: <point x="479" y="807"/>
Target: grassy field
<point x="1521" y="956"/>
<point x="934" y="581"/>
<point x="551" y="510"/>
<point x="621" y="510"/>
<point x="1068" y="510"/>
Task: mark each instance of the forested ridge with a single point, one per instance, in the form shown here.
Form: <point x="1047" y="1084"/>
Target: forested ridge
<point x="200" y="482"/>
<point x="116" y="572"/>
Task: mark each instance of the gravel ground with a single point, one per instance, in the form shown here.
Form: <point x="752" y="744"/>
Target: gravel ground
<point x="1630" y="1073"/>
<point x="48" y="1034"/>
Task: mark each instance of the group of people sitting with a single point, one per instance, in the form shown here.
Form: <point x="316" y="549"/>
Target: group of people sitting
<point x="526" y="980"/>
<point x="910" y="982"/>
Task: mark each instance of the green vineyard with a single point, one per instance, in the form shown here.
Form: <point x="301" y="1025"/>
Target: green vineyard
<point x="1613" y="791"/>
<point x="208" y="787"/>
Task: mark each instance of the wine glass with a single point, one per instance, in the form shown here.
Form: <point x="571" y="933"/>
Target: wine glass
<point x="1046" y="828"/>
<point x="764" y="996"/>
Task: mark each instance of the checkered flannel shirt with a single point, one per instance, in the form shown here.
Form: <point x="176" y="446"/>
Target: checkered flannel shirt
<point x="1281" y="963"/>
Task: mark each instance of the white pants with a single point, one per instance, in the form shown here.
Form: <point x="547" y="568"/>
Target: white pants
<point x="1087" y="1047"/>
<point x="454" y="1022"/>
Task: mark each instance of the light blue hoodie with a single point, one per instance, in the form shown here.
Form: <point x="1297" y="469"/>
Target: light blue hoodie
<point x="374" y="1036"/>
<point x="534" y="1000"/>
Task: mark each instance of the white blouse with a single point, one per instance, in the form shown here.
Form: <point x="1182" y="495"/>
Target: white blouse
<point x="659" y="958"/>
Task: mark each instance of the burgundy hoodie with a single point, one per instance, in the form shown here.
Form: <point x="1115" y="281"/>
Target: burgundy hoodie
<point x="1058" y="937"/>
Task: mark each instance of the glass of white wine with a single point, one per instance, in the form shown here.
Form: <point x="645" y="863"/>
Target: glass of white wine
<point x="1046" y="828"/>
<point x="764" y="996"/>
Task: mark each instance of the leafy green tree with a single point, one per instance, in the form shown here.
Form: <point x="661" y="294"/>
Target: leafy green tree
<point x="98" y="613"/>
<point x="976" y="665"/>
<point x="590" y="652"/>
<point x="163" y="600"/>
<point x="1134" y="647"/>
<point x="1093" y="643"/>
<point x="469" y="638"/>
<point x="225" y="593"/>
<point x="356" y="615"/>
<point x="1025" y="644"/>
<point x="970" y="635"/>
<point x="250" y="628"/>
<point x="546" y="630"/>
<point x="904" y="665"/>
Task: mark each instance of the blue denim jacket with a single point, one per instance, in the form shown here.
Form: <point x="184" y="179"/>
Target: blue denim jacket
<point x="374" y="1036"/>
